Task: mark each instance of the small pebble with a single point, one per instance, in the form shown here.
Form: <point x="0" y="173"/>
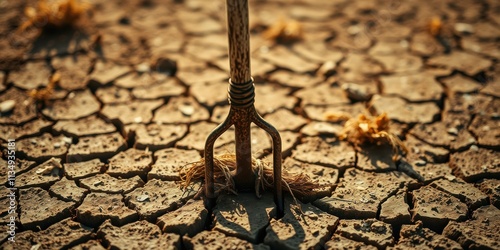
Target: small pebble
<point x="138" y="119"/>
<point x="187" y="110"/>
<point x="142" y="68"/>
<point x="354" y="29"/>
<point x="153" y="132"/>
<point x="404" y="43"/>
<point x="464" y="28"/>
<point x="142" y="198"/>
<point x="457" y="123"/>
<point x="356" y="92"/>
<point x="450" y="177"/>
<point x="474" y="148"/>
<point x="452" y="131"/>
<point x="416" y="150"/>
<point x="7" y="106"/>
<point x="33" y="141"/>
<point x="420" y="163"/>
<point x="326" y="69"/>
<point x="67" y="140"/>
<point x="57" y="145"/>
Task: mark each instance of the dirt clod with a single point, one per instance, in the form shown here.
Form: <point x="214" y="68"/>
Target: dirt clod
<point x="308" y="230"/>
<point x="164" y="196"/>
<point x="137" y="235"/>
<point x="435" y="208"/>
<point x="98" y="207"/>
<point x="188" y="220"/>
<point x="40" y="210"/>
<point x="369" y="231"/>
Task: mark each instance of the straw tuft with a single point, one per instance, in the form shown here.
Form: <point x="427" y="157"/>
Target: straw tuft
<point x="362" y="129"/>
<point x="299" y="185"/>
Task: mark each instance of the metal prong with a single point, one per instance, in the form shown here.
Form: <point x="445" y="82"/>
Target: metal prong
<point x="209" y="159"/>
<point x="278" y="191"/>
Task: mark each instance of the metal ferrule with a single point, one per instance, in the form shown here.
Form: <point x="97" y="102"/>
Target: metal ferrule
<point x="241" y="95"/>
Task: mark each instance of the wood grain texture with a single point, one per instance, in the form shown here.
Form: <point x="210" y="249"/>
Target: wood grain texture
<point x="239" y="40"/>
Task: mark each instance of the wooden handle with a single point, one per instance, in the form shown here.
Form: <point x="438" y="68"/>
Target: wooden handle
<point x="239" y="40"/>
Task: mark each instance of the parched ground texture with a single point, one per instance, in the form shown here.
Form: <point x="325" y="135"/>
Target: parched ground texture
<point x="98" y="163"/>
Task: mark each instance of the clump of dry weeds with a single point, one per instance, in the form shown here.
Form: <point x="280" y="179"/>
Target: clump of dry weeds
<point x="55" y="14"/>
<point x="284" y="31"/>
<point x="299" y="185"/>
<point x="362" y="129"/>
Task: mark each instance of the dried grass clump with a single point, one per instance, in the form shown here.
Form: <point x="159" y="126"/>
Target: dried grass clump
<point x="299" y="185"/>
<point x="362" y="129"/>
<point x="284" y="31"/>
<point x="56" y="14"/>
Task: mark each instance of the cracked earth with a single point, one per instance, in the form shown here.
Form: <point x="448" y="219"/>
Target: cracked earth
<point x="98" y="163"/>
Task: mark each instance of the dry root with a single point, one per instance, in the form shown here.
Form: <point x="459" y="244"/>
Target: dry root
<point x="44" y="94"/>
<point x="284" y="31"/>
<point x="363" y="130"/>
<point x="298" y="185"/>
<point x="56" y="14"/>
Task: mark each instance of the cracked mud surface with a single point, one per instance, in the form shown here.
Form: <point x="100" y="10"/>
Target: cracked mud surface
<point x="98" y="163"/>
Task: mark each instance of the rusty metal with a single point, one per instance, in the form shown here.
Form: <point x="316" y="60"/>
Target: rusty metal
<point x="242" y="113"/>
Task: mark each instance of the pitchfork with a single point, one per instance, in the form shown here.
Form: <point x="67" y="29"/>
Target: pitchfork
<point x="242" y="113"/>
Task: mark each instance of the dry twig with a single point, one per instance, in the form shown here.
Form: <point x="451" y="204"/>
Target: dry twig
<point x="44" y="94"/>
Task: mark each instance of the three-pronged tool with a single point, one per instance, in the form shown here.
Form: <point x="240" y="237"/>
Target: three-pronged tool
<point x="242" y="113"/>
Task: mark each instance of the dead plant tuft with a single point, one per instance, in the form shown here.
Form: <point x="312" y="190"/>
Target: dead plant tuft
<point x="362" y="129"/>
<point x="297" y="184"/>
<point x="55" y="14"/>
<point x="284" y="31"/>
